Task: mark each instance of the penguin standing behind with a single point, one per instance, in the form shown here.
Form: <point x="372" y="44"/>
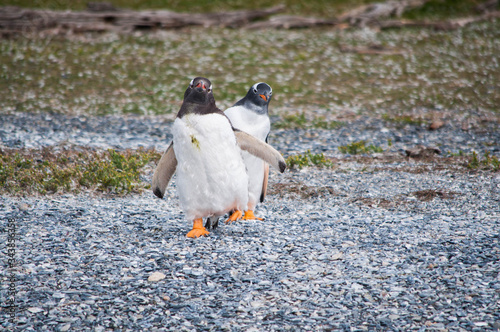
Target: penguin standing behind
<point x="251" y="115"/>
<point x="206" y="154"/>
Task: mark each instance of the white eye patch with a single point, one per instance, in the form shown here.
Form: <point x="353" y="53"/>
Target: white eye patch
<point x="254" y="87"/>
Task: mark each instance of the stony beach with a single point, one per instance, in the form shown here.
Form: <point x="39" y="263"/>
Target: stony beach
<point x="376" y="242"/>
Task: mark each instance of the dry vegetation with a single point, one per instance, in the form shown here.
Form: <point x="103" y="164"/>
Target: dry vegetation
<point x="49" y="171"/>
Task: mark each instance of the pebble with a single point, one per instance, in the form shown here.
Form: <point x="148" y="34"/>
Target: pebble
<point x="156" y="276"/>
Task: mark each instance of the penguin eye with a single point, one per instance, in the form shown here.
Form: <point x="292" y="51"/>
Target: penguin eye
<point x="255" y="90"/>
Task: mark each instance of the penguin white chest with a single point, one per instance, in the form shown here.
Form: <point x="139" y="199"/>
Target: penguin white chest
<point x="253" y="123"/>
<point x="257" y="125"/>
<point x="211" y="175"/>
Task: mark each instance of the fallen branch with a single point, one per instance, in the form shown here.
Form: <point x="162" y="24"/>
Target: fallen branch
<point x="439" y="25"/>
<point x="291" y="22"/>
<point x="487" y="6"/>
<point x="110" y="19"/>
<point x="373" y="13"/>
<point x="102" y="17"/>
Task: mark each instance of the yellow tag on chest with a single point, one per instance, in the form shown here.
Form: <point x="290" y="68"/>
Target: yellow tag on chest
<point x="195" y="141"/>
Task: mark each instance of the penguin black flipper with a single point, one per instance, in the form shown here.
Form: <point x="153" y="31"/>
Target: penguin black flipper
<point x="164" y="171"/>
<point x="260" y="149"/>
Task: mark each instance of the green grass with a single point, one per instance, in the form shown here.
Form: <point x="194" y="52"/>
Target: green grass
<point x="308" y="159"/>
<point x="404" y="119"/>
<point x="292" y="121"/>
<point x="488" y="162"/>
<point x="26" y="172"/>
<point x="147" y="74"/>
<point x="299" y="121"/>
<point x="360" y="147"/>
<point x="125" y="74"/>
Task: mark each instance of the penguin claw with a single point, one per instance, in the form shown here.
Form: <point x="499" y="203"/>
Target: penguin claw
<point x="250" y="216"/>
<point x="234" y="217"/>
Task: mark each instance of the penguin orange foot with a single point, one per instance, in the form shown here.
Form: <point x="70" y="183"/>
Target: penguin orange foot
<point x="198" y="229"/>
<point x="235" y="216"/>
<point x="250" y="216"/>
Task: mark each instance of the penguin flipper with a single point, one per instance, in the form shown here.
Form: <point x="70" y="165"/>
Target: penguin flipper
<point x="264" y="183"/>
<point x="260" y="149"/>
<point x="164" y="171"/>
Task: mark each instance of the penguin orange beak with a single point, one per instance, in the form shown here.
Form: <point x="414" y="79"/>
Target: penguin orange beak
<point x="263" y="97"/>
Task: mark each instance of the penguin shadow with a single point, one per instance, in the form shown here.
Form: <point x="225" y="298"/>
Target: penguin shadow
<point x="218" y="226"/>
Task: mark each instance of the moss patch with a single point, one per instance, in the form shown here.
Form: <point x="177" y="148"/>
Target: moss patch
<point x="308" y="159"/>
<point x="25" y="172"/>
<point x="488" y="162"/>
<point x="300" y="121"/>
<point x="360" y="147"/>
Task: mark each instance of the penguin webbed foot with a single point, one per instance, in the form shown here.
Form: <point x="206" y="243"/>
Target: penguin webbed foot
<point x="249" y="215"/>
<point x="236" y="215"/>
<point x="198" y="229"/>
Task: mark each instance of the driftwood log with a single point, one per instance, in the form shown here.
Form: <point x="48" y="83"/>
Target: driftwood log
<point x="101" y="17"/>
<point x="438" y="25"/>
<point x="104" y="17"/>
<point x="373" y="13"/>
<point x="290" y="22"/>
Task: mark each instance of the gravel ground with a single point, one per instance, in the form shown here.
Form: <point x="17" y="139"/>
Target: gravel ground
<point x="370" y="246"/>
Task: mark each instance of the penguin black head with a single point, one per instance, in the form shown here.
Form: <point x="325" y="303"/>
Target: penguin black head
<point x="198" y="98"/>
<point x="257" y="98"/>
<point x="199" y="91"/>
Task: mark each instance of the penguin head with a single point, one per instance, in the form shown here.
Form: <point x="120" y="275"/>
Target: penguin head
<point x="198" y="98"/>
<point x="260" y="94"/>
<point x="257" y="98"/>
<point x="199" y="91"/>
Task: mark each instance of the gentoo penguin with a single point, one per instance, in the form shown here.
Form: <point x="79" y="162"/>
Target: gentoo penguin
<point x="250" y="114"/>
<point x="206" y="154"/>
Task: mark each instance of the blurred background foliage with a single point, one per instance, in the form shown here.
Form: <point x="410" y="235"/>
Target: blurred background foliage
<point x="435" y="9"/>
<point x="309" y="69"/>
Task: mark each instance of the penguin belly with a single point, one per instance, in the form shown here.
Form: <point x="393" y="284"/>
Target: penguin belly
<point x="255" y="169"/>
<point x="257" y="125"/>
<point x="211" y="175"/>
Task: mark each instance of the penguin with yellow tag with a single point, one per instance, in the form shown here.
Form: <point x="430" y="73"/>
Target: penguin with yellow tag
<point x="206" y="156"/>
